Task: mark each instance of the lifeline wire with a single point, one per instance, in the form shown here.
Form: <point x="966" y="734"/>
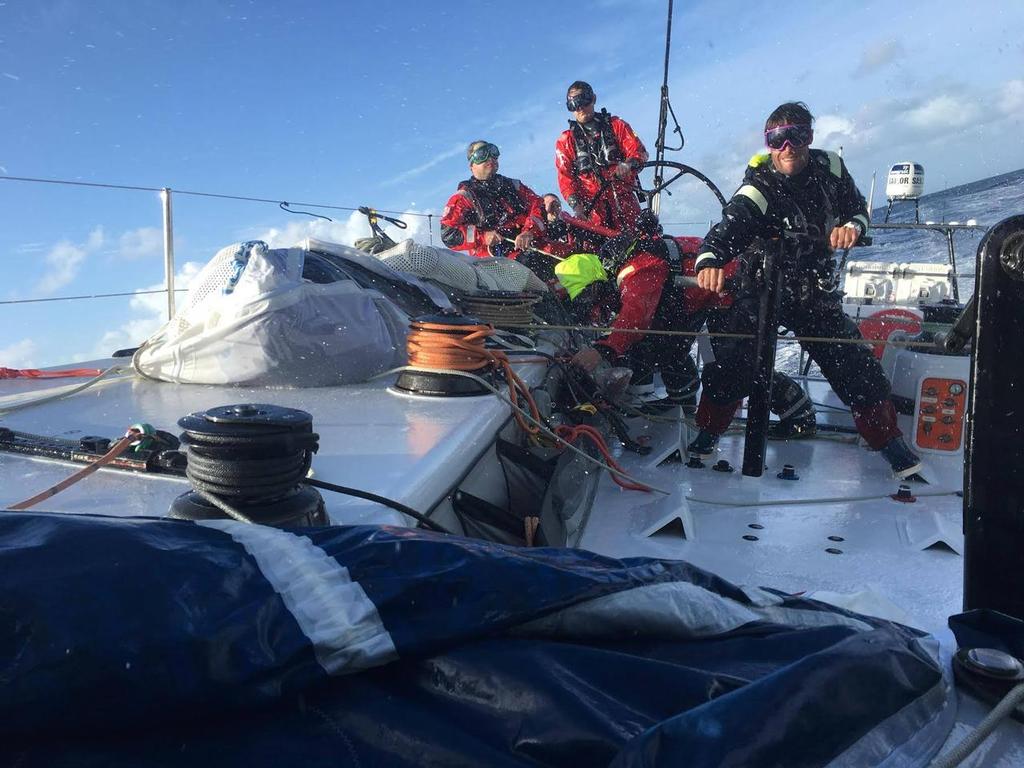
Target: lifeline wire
<point x="200" y="194"/>
<point x="723" y="335"/>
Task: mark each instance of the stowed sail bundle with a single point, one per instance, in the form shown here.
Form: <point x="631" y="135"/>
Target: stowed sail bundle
<point x="460" y="271"/>
<point x="314" y="315"/>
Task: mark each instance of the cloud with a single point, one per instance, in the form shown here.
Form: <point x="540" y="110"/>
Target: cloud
<point x="20" y="354"/>
<point x="344" y="232"/>
<point x="9" y="76"/>
<point x="419" y="169"/>
<point x="141" y="243"/>
<point x="65" y="259"/>
<point x="150" y="310"/>
<point x="942" y="112"/>
<point x="1011" y="97"/>
<point x="876" y="55"/>
<point x="832" y="131"/>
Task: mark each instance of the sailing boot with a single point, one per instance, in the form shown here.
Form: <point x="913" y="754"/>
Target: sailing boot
<point x="712" y="420"/>
<point x="794" y="409"/>
<point x="641" y="387"/>
<point x="703" y="445"/>
<point x="904" y="462"/>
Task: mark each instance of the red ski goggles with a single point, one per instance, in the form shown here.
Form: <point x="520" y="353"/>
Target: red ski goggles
<point x="797" y="136"/>
<point x="483" y="153"/>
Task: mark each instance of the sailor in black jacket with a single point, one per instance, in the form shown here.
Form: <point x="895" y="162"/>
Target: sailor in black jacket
<point x="807" y="198"/>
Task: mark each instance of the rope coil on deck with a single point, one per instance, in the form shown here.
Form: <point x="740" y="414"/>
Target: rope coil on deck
<point x="460" y="347"/>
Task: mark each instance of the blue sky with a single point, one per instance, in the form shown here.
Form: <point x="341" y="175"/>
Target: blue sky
<point x="354" y="103"/>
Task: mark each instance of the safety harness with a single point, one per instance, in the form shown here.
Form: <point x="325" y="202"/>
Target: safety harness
<point x="596" y="149"/>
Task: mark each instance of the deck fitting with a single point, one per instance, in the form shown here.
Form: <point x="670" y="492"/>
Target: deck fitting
<point x="788" y="473"/>
<point x="903" y="494"/>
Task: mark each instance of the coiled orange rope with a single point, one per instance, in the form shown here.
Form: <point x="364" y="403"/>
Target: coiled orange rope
<point x="461" y="348"/>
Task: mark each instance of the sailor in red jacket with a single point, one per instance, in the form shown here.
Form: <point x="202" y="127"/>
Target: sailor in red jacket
<point x="597" y="160"/>
<point x="491" y="214"/>
<point x="657" y="289"/>
<point x="653" y="288"/>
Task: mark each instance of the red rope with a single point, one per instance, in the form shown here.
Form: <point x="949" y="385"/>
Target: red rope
<point x="35" y="373"/>
<point x="572" y="434"/>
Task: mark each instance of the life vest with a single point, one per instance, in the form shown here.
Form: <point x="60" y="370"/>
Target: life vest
<point x="597" y="148"/>
<point x="496" y="201"/>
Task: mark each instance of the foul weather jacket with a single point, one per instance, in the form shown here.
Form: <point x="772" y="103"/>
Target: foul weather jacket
<point x="583" y="159"/>
<point x="803" y="210"/>
<point x="642" y="280"/>
<point x="770" y="204"/>
<point x="500" y="204"/>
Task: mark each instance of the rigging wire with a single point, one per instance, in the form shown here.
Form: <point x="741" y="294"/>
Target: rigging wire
<point x="91" y="296"/>
<point x="195" y="193"/>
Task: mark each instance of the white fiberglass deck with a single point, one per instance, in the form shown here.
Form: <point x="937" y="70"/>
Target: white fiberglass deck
<point x="415" y="449"/>
<point x="892" y="559"/>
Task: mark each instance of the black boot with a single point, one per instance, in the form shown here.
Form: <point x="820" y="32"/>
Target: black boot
<point x="794" y="409"/>
<point x="904" y="462"/>
<point x="800" y="426"/>
<point x="703" y="444"/>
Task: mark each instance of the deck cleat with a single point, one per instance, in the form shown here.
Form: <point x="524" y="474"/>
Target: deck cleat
<point x="903" y="494"/>
<point x="788" y="473"/>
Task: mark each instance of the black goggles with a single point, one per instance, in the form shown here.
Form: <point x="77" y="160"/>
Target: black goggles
<point x="797" y="136"/>
<point x="580" y="100"/>
<point x="483" y="153"/>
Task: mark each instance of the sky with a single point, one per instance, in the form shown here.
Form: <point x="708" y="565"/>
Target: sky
<point x="354" y="103"/>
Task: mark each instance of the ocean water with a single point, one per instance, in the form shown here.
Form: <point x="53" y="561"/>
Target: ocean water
<point x="987" y="202"/>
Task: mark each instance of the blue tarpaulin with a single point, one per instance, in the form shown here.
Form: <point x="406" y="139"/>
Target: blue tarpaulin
<point x="128" y="642"/>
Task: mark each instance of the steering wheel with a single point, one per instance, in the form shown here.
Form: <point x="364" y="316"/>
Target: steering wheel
<point x="669" y="172"/>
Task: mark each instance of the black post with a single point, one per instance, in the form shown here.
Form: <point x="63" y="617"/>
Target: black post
<point x="994" y="466"/>
<point x="756" y="439"/>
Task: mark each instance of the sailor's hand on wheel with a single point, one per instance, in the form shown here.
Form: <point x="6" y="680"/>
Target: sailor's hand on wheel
<point x="588" y="359"/>
<point x="843" y="237"/>
<point x="524" y="240"/>
<point x="712" y="279"/>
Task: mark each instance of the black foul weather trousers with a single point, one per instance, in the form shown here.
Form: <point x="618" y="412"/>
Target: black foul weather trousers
<point x="851" y="369"/>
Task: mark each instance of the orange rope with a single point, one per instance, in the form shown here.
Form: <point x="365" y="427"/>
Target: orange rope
<point x="116" y="450"/>
<point x="572" y="434"/>
<point x="461" y="348"/>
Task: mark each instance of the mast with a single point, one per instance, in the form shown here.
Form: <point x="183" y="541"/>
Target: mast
<point x="663" y="115"/>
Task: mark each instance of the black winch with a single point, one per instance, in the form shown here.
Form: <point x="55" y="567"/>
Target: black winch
<point x="247" y="462"/>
